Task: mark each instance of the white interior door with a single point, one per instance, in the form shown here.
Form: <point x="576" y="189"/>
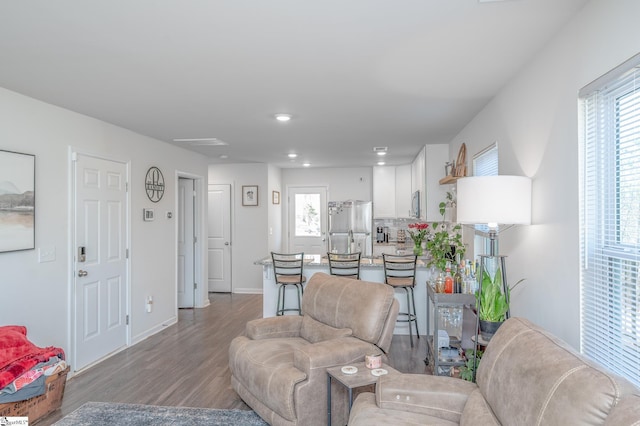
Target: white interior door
<point x="307" y="220"/>
<point x="101" y="285"/>
<point x="219" y="254"/>
<point x="186" y="243"/>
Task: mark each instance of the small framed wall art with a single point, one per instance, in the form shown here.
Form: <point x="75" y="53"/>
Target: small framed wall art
<point x="275" y="197"/>
<point x="249" y="195"/>
<point x="17" y="201"/>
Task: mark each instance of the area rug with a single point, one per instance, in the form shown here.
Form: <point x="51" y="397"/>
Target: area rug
<point x="108" y="414"/>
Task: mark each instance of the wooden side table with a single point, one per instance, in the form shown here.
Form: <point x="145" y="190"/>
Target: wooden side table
<point x="352" y="381"/>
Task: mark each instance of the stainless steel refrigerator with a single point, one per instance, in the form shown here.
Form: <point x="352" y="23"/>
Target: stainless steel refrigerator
<point x="350" y="224"/>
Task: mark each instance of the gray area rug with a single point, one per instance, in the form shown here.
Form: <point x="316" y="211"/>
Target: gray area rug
<point x="108" y="414"/>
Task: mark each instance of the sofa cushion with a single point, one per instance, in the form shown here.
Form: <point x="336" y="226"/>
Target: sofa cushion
<point x="365" y="412"/>
<point x="528" y="376"/>
<point x="627" y="412"/>
<point x="478" y="412"/>
<point x="265" y="368"/>
<point x="315" y="331"/>
<point x="359" y="305"/>
<point x="435" y="396"/>
<point x="270" y="328"/>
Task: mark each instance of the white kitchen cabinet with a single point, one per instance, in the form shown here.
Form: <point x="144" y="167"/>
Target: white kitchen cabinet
<point x="393" y="186"/>
<point x="403" y="191"/>
<point x="426" y="170"/>
<point x="391" y="191"/>
<point x="435" y="158"/>
<point x="384" y="191"/>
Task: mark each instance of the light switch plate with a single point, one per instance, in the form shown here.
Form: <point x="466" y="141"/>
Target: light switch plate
<point x="46" y="254"/>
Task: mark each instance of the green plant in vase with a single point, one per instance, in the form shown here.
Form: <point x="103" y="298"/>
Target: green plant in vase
<point x="493" y="303"/>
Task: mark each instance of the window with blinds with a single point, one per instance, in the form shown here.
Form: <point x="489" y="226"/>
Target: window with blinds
<point x="610" y="220"/>
<point x="485" y="163"/>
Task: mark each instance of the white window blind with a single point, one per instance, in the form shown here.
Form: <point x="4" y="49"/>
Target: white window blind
<point x="610" y="221"/>
<point x="485" y="163"/>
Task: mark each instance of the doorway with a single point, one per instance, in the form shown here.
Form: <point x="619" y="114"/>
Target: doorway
<point x="100" y="258"/>
<point x="307" y="219"/>
<point x="219" y="238"/>
<point x="186" y="242"/>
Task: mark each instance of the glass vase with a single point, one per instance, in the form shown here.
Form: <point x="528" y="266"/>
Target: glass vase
<point x="417" y="248"/>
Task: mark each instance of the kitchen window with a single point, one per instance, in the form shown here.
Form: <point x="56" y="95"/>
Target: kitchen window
<point x="610" y="220"/>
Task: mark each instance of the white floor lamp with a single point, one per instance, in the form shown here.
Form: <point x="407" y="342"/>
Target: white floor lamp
<point x="495" y="201"/>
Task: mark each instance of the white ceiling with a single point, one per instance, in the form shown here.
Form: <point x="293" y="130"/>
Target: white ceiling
<point x="355" y="74"/>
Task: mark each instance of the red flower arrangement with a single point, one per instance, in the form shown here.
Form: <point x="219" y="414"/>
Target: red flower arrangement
<point x="418" y="232"/>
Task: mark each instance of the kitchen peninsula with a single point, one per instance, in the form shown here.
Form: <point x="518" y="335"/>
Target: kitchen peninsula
<point x="371" y="269"/>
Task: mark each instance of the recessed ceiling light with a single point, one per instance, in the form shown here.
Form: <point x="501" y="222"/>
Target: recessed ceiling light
<point x="306" y="164"/>
<point x="381" y="153"/>
<point x="202" y="141"/>
<point x="224" y="157"/>
<point x="292" y="155"/>
<point x="283" y="117"/>
<point x="381" y="163"/>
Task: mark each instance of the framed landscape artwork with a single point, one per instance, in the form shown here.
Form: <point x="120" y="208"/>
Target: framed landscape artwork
<point x="249" y="195"/>
<point x="17" y="201"/>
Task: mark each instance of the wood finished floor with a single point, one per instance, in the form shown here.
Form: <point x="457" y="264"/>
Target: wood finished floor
<point x="187" y="364"/>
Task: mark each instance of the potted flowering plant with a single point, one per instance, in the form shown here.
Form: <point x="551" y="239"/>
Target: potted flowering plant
<point x="444" y="243"/>
<point x="418" y="232"/>
<point x="445" y="240"/>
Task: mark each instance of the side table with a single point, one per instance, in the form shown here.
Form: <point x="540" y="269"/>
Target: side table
<point x="352" y="381"/>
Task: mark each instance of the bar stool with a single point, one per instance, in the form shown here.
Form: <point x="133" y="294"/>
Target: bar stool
<point x="287" y="270"/>
<point x="345" y="264"/>
<point x="400" y="272"/>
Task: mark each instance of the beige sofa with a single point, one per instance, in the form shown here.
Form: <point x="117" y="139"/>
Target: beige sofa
<point x="526" y="377"/>
<point x="279" y="366"/>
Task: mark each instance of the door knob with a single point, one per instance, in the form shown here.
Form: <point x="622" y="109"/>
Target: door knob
<point x="82" y="273"/>
<point x="226" y="243"/>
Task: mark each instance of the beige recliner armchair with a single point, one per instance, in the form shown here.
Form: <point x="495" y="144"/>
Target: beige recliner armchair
<point x="279" y="366"/>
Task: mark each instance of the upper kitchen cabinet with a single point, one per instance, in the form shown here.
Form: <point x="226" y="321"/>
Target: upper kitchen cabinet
<point x="426" y="170"/>
<point x="391" y="191"/>
<point x="403" y="191"/>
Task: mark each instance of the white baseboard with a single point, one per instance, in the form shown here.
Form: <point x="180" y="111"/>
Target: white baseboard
<point x="150" y="332"/>
<point x="247" y="291"/>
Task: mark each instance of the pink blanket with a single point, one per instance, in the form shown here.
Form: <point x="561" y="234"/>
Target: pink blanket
<point x="18" y="354"/>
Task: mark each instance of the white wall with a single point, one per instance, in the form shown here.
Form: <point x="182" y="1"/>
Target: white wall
<point x="249" y="224"/>
<point x="534" y="119"/>
<point x="275" y="210"/>
<point x="354" y="183"/>
<point x="37" y="295"/>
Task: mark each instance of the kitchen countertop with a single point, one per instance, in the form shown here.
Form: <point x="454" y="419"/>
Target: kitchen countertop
<point x="322" y="261"/>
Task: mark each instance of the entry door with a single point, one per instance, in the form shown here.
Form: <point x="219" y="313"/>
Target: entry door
<point x="186" y="243"/>
<point x="219" y="254"/>
<point x="308" y="220"/>
<point x="101" y="287"/>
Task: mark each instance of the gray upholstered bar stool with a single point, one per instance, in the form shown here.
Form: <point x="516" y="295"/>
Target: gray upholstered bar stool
<point x="345" y="264"/>
<point x="400" y="272"/>
<point x="287" y="270"/>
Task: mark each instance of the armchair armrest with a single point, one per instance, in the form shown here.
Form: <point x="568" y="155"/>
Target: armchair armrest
<point x="437" y="396"/>
<point x="275" y="327"/>
<point x="332" y="352"/>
